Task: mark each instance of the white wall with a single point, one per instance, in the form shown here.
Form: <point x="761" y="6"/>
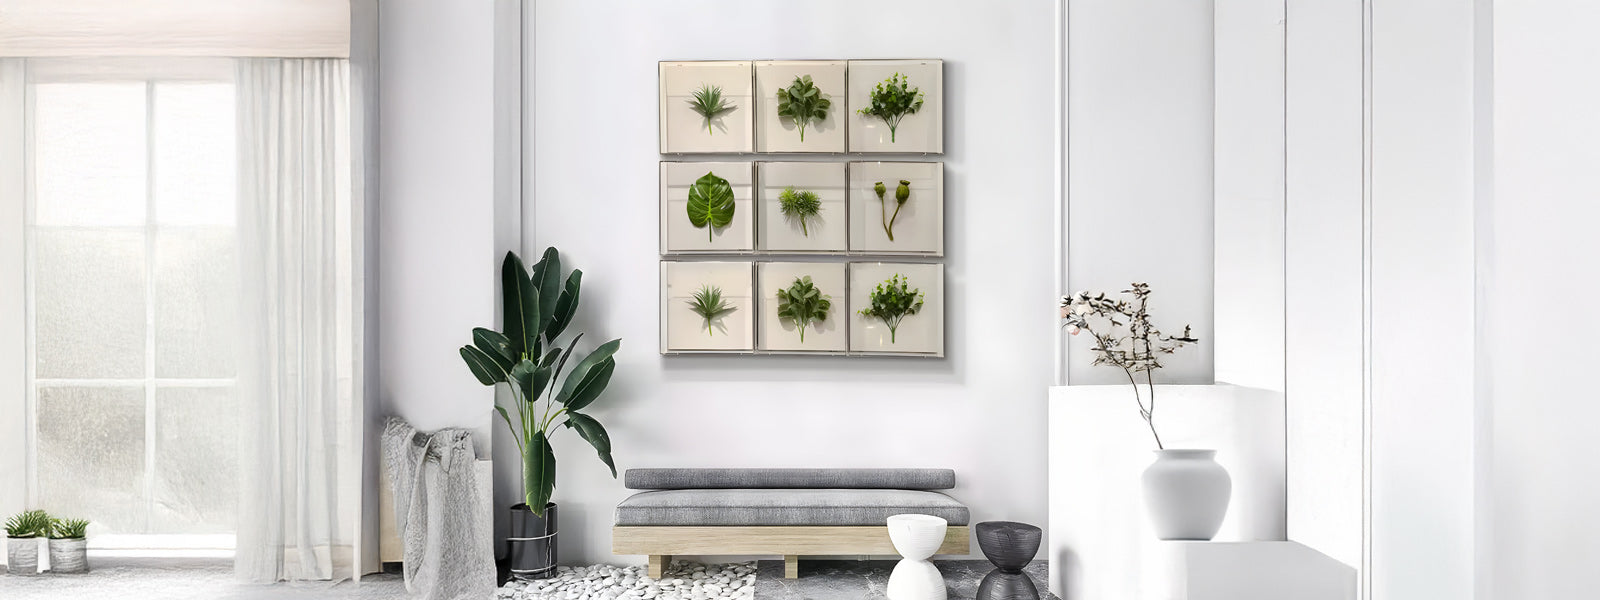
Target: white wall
<point x="1139" y="150"/>
<point x="981" y="411"/>
<point x="1324" y="159"/>
<point x="1421" y="293"/>
<point x="437" y="255"/>
<point x="1540" y="283"/>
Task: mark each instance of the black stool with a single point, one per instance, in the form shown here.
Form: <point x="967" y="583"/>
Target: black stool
<point x="1010" y="546"/>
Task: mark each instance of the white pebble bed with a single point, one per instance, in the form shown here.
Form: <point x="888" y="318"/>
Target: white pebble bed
<point x="682" y="581"/>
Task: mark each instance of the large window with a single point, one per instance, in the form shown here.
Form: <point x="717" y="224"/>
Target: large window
<point x="132" y="294"/>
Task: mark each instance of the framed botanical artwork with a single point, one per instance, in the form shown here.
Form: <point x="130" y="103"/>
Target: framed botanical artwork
<point x="707" y="307"/>
<point x="800" y="106"/>
<point x="897" y="308"/>
<point x="897" y="208"/>
<point x="708" y="208"/>
<point x="706" y="107"/>
<point x="804" y="207"/>
<point x="804" y="307"/>
<point x="896" y="106"/>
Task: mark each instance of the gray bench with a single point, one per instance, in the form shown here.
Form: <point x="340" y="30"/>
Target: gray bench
<point x="785" y="512"/>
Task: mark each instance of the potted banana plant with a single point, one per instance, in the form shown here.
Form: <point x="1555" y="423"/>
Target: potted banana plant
<point x="69" y="546"/>
<point x="532" y="358"/>
<point x="22" y="541"/>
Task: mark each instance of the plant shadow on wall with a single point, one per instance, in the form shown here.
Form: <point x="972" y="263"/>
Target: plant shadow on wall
<point x="1185" y="491"/>
<point x="537" y="307"/>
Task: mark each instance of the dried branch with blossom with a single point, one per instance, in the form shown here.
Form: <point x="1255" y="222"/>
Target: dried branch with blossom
<point x="1124" y="338"/>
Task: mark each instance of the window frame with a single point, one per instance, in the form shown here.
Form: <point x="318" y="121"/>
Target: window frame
<point x="151" y="73"/>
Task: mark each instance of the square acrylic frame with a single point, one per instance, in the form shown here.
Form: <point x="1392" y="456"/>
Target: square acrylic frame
<point x="678" y="233"/>
<point x="777" y="134"/>
<point x="918" y="228"/>
<point x="920" y="334"/>
<point x="685" y="131"/>
<point x="685" y="331"/>
<point x="919" y="133"/>
<point x="826" y="233"/>
<point x="778" y="335"/>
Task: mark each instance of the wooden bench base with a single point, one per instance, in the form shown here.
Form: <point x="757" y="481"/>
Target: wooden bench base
<point x="790" y="542"/>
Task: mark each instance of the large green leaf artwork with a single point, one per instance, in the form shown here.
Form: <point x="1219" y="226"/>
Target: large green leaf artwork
<point x="710" y="203"/>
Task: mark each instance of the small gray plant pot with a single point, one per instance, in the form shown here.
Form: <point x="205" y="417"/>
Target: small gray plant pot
<point x="22" y="556"/>
<point x="69" y="555"/>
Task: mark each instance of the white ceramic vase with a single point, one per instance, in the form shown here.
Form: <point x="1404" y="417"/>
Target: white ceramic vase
<point x="1186" y="493"/>
<point x="69" y="555"/>
<point x="916" y="538"/>
<point x="22" y="556"/>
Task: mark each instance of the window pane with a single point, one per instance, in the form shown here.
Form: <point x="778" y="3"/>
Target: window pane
<point x="196" y="302"/>
<point x="197" y="472"/>
<point x="194" y="153"/>
<point x="89" y="303"/>
<point x="91" y="455"/>
<point x="89" y="140"/>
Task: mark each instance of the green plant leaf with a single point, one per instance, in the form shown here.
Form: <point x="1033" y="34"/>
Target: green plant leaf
<point x="485" y="368"/>
<point x="709" y="304"/>
<point x="532" y="378"/>
<point x="893" y="99"/>
<point x="708" y="101"/>
<point x="802" y="103"/>
<point x="711" y="203"/>
<point x="576" y="377"/>
<point x="547" y="279"/>
<point x="566" y="306"/>
<point x="494" y="344"/>
<point x="538" y="472"/>
<point x="803" y="304"/>
<point x="892" y="301"/>
<point x="593" y="383"/>
<point x="551" y="357"/>
<point x="595" y="434"/>
<point x="520" y="306"/>
<point x="800" y="205"/>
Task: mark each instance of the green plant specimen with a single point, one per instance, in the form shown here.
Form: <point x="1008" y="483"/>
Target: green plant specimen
<point x="803" y="304"/>
<point x="1125" y="338"/>
<point x="28" y="524"/>
<point x="537" y="307"/>
<point x="901" y="194"/>
<point x="892" y="100"/>
<point x="709" y="304"/>
<point x="802" y="103"/>
<point x="800" y="205"/>
<point x="708" y="101"/>
<point x="893" y="300"/>
<point x="68" y="529"/>
<point x="710" y="203"/>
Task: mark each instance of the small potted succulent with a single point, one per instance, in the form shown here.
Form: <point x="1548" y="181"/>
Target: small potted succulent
<point x="68" y="547"/>
<point x="22" y="541"/>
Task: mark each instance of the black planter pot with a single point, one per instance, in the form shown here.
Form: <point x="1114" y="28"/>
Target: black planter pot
<point x="531" y="542"/>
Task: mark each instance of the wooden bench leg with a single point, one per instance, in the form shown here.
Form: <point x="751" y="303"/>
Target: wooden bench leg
<point x="791" y="566"/>
<point x="658" y="564"/>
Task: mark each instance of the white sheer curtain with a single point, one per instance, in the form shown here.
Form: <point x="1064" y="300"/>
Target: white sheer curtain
<point x="300" y="380"/>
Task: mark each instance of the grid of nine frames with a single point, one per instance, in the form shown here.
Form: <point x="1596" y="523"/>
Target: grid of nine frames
<point x="881" y="205"/>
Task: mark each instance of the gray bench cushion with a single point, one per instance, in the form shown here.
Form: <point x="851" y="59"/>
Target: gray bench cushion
<point x="784" y="507"/>
<point x="685" y="479"/>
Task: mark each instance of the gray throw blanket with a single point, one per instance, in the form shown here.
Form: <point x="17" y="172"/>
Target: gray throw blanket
<point x="435" y="490"/>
